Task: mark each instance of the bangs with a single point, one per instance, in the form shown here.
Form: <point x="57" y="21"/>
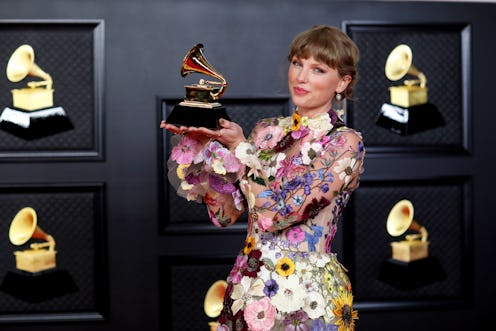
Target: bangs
<point x="318" y="46"/>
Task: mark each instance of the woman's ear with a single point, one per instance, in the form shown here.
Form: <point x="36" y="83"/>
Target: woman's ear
<point x="343" y="83"/>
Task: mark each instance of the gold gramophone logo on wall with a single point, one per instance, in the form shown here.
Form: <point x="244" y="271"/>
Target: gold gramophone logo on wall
<point x="400" y="220"/>
<point x="214" y="301"/>
<point x="41" y="255"/>
<point x="408" y="111"/>
<point x="398" y="65"/>
<point x="201" y="106"/>
<point x="38" y="94"/>
<point x="411" y="265"/>
<point x="32" y="114"/>
<point x="36" y="277"/>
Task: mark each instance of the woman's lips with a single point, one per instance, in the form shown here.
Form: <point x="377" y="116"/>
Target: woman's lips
<point x="300" y="90"/>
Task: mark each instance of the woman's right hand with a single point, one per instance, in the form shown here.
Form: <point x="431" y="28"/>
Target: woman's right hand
<point x="230" y="133"/>
<point x="192" y="132"/>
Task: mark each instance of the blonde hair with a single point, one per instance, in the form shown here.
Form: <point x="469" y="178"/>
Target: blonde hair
<point x="329" y="45"/>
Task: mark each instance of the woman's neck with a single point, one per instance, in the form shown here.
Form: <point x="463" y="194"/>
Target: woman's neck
<point x="312" y="112"/>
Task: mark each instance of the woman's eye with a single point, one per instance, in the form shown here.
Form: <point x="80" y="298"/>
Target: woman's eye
<point x="319" y="70"/>
<point x="296" y="63"/>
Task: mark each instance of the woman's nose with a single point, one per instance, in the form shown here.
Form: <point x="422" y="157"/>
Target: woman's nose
<point x="302" y="75"/>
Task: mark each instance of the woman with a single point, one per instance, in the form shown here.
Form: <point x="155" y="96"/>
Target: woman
<point x="294" y="175"/>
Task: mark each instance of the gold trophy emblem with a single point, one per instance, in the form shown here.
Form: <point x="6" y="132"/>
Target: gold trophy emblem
<point x="408" y="111"/>
<point x="40" y="256"/>
<point x="38" y="94"/>
<point x="201" y="106"/>
<point x="213" y="303"/>
<point x="399" y="221"/>
<point x="37" y="277"/>
<point x="410" y="265"/>
<point x="33" y="114"/>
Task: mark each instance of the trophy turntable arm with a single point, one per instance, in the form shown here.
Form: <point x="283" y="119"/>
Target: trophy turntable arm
<point x="40" y="83"/>
<point x="50" y="243"/>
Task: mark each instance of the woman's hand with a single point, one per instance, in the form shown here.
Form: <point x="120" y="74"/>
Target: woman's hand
<point x="230" y="133"/>
<point x="185" y="130"/>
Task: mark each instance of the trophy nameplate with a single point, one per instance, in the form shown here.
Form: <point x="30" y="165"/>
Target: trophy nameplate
<point x="408" y="111"/>
<point x="201" y="106"/>
<point x="32" y="114"/>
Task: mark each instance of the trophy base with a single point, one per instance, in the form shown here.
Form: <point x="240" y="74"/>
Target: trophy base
<point x="34" y="124"/>
<point x="209" y="118"/>
<point x="410" y="120"/>
<point x="38" y="287"/>
<point x="411" y="275"/>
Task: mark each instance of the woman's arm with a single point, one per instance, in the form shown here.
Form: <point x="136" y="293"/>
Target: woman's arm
<point x="301" y="185"/>
<point x="206" y="171"/>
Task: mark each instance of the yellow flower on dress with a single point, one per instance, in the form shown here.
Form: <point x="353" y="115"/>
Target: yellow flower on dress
<point x="249" y="245"/>
<point x="296" y="121"/>
<point x="344" y="313"/>
<point x="305" y="120"/>
<point x="285" y="266"/>
<point x="181" y="170"/>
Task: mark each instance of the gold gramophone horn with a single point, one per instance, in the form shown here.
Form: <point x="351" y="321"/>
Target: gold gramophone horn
<point x="21" y="64"/>
<point x="24" y="227"/>
<point x="399" y="64"/>
<point x="214" y="298"/>
<point x="195" y="61"/>
<point x="37" y="258"/>
<point x="400" y="219"/>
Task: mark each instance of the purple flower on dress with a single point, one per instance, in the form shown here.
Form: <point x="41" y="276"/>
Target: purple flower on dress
<point x="319" y="325"/>
<point x="296" y="321"/>
<point x="220" y="185"/>
<point x="271" y="288"/>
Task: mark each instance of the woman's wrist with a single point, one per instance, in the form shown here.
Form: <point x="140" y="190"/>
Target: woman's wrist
<point x="232" y="147"/>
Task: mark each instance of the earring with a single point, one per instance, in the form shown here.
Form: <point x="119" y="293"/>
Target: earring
<point x="339" y="106"/>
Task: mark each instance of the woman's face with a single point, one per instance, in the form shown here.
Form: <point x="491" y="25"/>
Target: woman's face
<point x="313" y="84"/>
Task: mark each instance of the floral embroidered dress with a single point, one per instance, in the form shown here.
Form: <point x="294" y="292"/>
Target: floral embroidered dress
<point x="294" y="175"/>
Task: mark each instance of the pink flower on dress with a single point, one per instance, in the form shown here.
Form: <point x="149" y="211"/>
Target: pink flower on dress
<point x="295" y="236"/>
<point x="339" y="141"/>
<point x="300" y="133"/>
<point x="264" y="222"/>
<point x="185" y="151"/>
<point x="268" y="137"/>
<point x="237" y="271"/>
<point x="260" y="315"/>
<point x="231" y="163"/>
<point x="289" y="169"/>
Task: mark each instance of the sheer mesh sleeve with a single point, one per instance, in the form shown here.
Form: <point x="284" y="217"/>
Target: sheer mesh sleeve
<point x="207" y="173"/>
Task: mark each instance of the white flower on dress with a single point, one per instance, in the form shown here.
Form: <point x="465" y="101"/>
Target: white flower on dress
<point x="247" y="154"/>
<point x="310" y="151"/>
<point x="244" y="291"/>
<point x="314" y="305"/>
<point x="274" y="164"/>
<point x="319" y="260"/>
<point x="291" y="294"/>
<point x="319" y="124"/>
<point x="303" y="270"/>
<point x="345" y="168"/>
<point x="249" y="195"/>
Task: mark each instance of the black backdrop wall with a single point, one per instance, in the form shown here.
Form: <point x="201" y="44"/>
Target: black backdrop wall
<point x="141" y="259"/>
